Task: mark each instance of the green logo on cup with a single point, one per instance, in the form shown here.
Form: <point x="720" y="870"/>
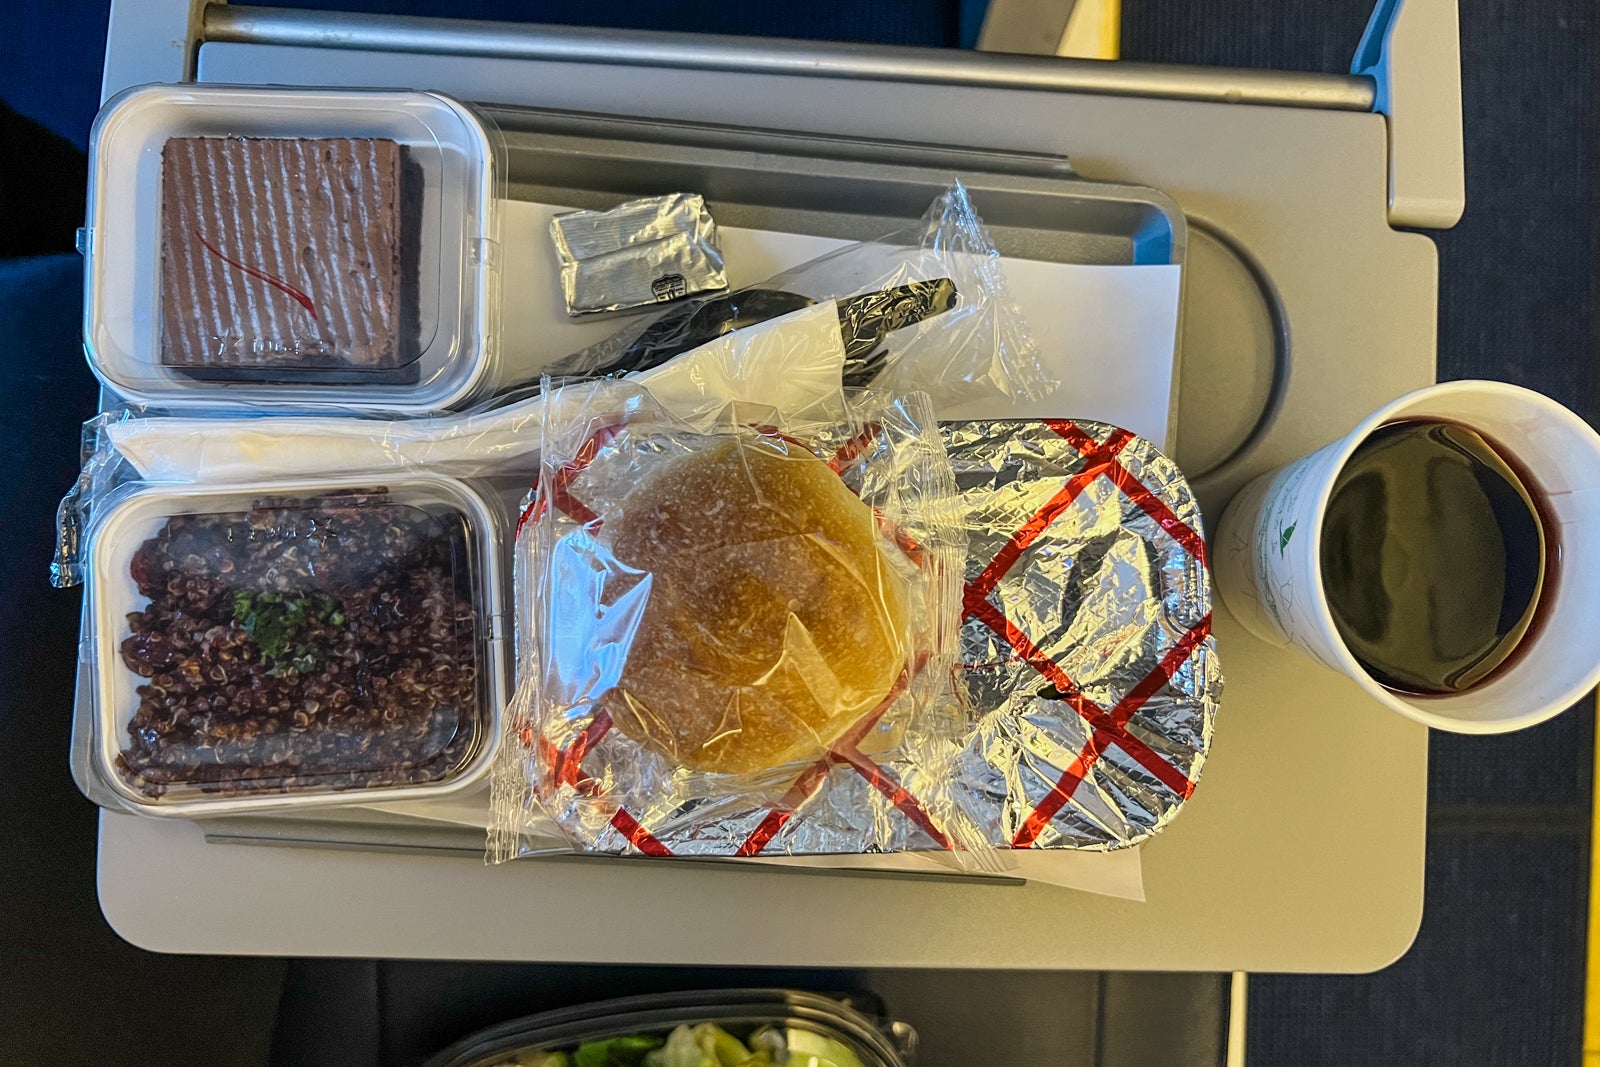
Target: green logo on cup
<point x="1284" y="535"/>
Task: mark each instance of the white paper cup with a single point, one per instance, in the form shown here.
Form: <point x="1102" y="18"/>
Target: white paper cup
<point x="1269" y="543"/>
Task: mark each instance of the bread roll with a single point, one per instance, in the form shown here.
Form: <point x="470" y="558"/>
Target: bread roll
<point x="773" y="620"/>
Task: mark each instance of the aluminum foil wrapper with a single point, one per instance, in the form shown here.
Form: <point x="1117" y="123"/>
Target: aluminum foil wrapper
<point x="1091" y="682"/>
<point x="1090" y="664"/>
<point x="639" y="253"/>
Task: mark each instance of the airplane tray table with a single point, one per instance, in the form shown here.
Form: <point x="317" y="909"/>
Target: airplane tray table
<point x="1304" y="309"/>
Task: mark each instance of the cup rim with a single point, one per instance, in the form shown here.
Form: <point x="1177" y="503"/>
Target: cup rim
<point x="1415" y="707"/>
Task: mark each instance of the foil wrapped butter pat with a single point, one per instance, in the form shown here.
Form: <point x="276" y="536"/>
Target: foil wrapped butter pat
<point x="1086" y="636"/>
<point x="649" y="251"/>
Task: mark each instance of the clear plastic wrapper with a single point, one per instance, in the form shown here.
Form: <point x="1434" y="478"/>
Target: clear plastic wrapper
<point x="283" y="644"/>
<point x="293" y="249"/>
<point x="925" y="308"/>
<point x="729" y="623"/>
<point x="791" y="364"/>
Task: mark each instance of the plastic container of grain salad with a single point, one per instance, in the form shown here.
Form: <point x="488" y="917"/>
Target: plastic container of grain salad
<point x="288" y="644"/>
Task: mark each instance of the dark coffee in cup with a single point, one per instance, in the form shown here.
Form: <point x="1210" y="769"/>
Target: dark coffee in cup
<point x="1433" y="557"/>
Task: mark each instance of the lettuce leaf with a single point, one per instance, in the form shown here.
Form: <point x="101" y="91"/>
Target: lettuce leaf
<point x="627" y="1051"/>
<point x="705" y="1046"/>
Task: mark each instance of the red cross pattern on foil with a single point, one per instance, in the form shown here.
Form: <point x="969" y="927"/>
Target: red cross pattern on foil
<point x="1109" y="727"/>
<point x="565" y="765"/>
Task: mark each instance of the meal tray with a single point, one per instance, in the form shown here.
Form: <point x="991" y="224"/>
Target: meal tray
<point x="1035" y="206"/>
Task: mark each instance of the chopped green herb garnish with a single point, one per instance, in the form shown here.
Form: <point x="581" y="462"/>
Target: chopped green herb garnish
<point x="280" y="624"/>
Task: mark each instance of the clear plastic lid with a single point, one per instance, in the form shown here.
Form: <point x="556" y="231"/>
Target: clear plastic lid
<point x="771" y="1027"/>
<point x="280" y="644"/>
<point x="283" y="248"/>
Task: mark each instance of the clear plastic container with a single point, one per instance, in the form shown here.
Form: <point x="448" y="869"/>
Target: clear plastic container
<point x="290" y="644"/>
<point x="813" y="1030"/>
<point x="293" y="249"/>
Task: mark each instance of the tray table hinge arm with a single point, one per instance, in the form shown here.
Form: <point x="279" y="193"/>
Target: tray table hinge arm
<point x="1412" y="51"/>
